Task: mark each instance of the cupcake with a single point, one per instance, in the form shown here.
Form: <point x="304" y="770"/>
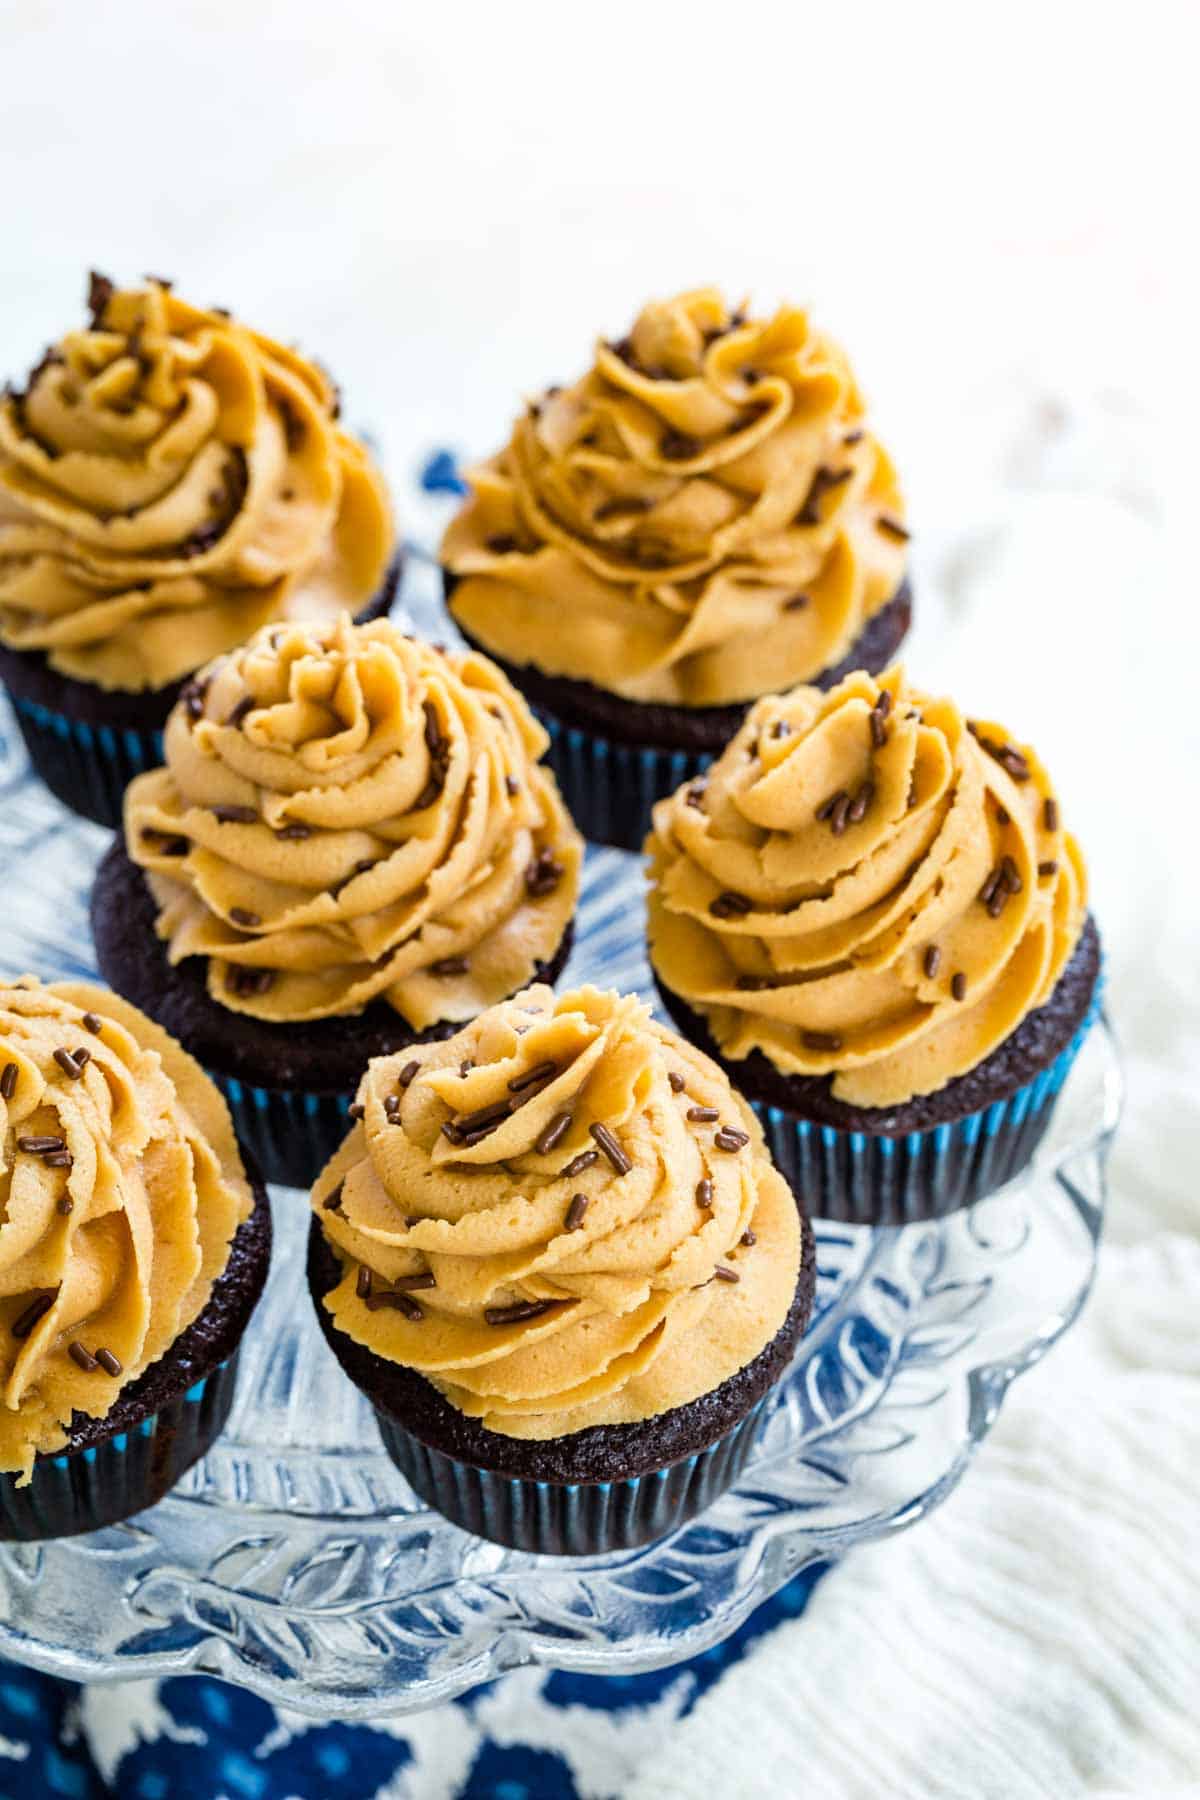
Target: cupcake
<point x="351" y="849"/>
<point x="710" y="510"/>
<point x="169" y="481"/>
<point x="133" y="1249"/>
<point x="555" y="1256"/>
<point x="870" y="914"/>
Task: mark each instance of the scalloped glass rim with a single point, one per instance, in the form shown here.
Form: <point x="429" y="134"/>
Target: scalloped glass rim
<point x="295" y="1561"/>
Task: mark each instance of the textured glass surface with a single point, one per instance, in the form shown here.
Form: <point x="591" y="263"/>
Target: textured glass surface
<point x="295" y="1560"/>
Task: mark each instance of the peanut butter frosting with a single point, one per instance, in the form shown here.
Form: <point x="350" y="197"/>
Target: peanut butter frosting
<point x="562" y="1217"/>
<point x="169" y="481"/>
<point x="121" y="1188"/>
<point x="866" y="885"/>
<point x="348" y="815"/>
<point x="707" y="506"/>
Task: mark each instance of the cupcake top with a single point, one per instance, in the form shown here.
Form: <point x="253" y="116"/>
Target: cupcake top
<point x="348" y="815"/>
<point x="169" y="480"/>
<point x="707" y="505"/>
<point x="866" y="885"/>
<point x="562" y="1217"/>
<point x="121" y="1188"/>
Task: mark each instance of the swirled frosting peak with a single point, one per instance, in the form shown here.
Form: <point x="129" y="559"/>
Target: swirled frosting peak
<point x="120" y="1190"/>
<point x="562" y="1217"/>
<point x="170" y="480"/>
<point x="867" y="885"/>
<point x="348" y="815"/>
<point x="707" y="505"/>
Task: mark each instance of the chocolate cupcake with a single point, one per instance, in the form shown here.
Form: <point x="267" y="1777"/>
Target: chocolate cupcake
<point x="351" y="849"/>
<point x="709" y="509"/>
<point x="555" y="1256"/>
<point x="170" y="480"/>
<point x="133" y="1249"/>
<point x="870" y="913"/>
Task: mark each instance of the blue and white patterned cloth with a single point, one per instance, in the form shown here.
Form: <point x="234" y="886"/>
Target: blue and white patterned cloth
<point x="534" y="1735"/>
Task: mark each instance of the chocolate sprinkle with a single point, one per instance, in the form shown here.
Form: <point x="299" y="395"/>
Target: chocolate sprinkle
<point x="531" y="1077"/>
<point x="575" y="1212"/>
<point x="245" y="705"/>
<point x="840" y="813"/>
<point x="721" y="1273"/>
<point x="892" y="528"/>
<point x="417" y="1283"/>
<point x="59" y="1159"/>
<point x="748" y="1238"/>
<point x="408" y="1073"/>
<point x="66" y="1205"/>
<point x="695" y="795"/>
<point x="92" y="1021"/>
<point x="449" y="965"/>
<point x="543" y="874"/>
<point x="611" y="1148"/>
<point x="248" y="982"/>
<point x="397" y="1301"/>
<point x="579" y="1163"/>
<point x="854" y="437"/>
<point x="704" y="1193"/>
<point x="702" y="1115"/>
<point x="333" y="1200"/>
<point x="821" y="1040"/>
<point x="1010" y="875"/>
<point x="825" y="810"/>
<point x="8" y="1081"/>
<point x="1049" y="867"/>
<point x="240" y="916"/>
<point x="797" y="603"/>
<point x="519" y="1311"/>
<point x="958" y="986"/>
<point x="67" y="1064"/>
<point x="861" y="801"/>
<point x="730" y="906"/>
<point x="234" y="815"/>
<point x="36" y="1310"/>
<point x="295" y="831"/>
<point x="511" y="785"/>
<point x="108" y="1362"/>
<point x="730" y="1138"/>
<point x="678" y="1084"/>
<point x="553" y="1133"/>
<point x="933" y="961"/>
<point x="362" y="1282"/>
<point x="678" y="446"/>
<point x="100" y="292"/>
<point x="81" y="1357"/>
<point x="1050" y="814"/>
<point x="39" y="1146"/>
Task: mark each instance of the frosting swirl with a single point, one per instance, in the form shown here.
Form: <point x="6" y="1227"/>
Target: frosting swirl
<point x="348" y="815"/>
<point x="707" y="504"/>
<point x="170" y="480"/>
<point x="538" y="1220"/>
<point x="121" y="1188"/>
<point x="867" y="886"/>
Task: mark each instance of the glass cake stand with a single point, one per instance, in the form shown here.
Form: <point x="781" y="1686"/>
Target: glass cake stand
<point x="295" y="1560"/>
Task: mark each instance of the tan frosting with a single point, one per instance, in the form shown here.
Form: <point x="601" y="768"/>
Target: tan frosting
<point x="638" y="1322"/>
<point x="835" y="942"/>
<point x="389" y="823"/>
<point x="170" y="480"/>
<point x="706" y="506"/>
<point x="128" y="1239"/>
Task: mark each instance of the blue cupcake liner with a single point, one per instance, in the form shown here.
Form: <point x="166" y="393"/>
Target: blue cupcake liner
<point x="82" y="1490"/>
<point x="865" y="1178"/>
<point x="289" y="1133"/>
<point x="571" y="1518"/>
<point x="610" y="788"/>
<point x="87" y="767"/>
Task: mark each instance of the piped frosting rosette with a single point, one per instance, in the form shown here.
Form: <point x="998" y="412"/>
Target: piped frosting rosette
<point x="708" y="505"/>
<point x="170" y="480"/>
<point x="562" y="1217"/>
<point x="348" y="815"/>
<point x="867" y="885"/>
<point x="120" y="1190"/>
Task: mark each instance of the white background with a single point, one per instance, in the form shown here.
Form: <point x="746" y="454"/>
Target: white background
<point x="994" y="208"/>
